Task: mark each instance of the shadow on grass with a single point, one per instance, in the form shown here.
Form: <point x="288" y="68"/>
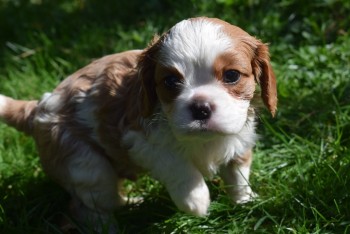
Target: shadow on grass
<point x="143" y="217"/>
<point x="30" y="206"/>
<point x="39" y="206"/>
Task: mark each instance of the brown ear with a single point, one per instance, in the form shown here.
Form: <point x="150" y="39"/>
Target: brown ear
<point x="265" y="77"/>
<point x="146" y="70"/>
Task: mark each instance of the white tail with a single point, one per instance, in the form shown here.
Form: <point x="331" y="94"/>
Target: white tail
<point x="17" y="113"/>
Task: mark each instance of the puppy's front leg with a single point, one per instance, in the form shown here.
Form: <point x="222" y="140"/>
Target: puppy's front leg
<point x="236" y="177"/>
<point x="183" y="181"/>
<point x="185" y="185"/>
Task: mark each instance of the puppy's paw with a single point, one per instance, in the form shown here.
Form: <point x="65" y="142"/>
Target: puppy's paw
<point x="244" y="195"/>
<point x="132" y="138"/>
<point x="133" y="200"/>
<point x="195" y="202"/>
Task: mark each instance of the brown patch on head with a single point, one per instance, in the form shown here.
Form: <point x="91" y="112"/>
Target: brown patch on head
<point x="229" y="29"/>
<point x="248" y="48"/>
<point x="237" y="59"/>
<point x="165" y="93"/>
<point x="242" y="89"/>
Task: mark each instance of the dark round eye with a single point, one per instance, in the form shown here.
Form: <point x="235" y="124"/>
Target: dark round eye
<point x="231" y="76"/>
<point x="172" y="81"/>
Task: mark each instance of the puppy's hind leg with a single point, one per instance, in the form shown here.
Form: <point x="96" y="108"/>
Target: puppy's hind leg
<point x="95" y="190"/>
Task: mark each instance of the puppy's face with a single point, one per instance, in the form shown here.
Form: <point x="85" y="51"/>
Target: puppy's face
<point x="204" y="73"/>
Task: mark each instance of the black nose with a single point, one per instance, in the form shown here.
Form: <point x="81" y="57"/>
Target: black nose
<point x="200" y="110"/>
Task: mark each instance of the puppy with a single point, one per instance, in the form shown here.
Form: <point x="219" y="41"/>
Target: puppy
<point x="180" y="110"/>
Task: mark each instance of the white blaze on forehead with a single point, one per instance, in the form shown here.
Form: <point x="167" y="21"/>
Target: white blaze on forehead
<point x="194" y="43"/>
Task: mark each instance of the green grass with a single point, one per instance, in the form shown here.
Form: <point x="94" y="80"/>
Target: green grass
<point x="301" y="168"/>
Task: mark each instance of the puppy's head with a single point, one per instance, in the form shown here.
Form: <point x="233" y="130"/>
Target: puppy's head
<point x="203" y="72"/>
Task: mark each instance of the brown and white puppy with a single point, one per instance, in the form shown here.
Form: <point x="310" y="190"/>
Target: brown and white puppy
<point x="180" y="109"/>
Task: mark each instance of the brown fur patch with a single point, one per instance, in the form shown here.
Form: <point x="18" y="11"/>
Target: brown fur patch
<point x="260" y="61"/>
<point x="165" y="94"/>
<point x="245" y="86"/>
<point x="245" y="159"/>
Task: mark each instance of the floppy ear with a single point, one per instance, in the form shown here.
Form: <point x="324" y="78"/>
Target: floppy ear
<point x="265" y="76"/>
<point x="146" y="69"/>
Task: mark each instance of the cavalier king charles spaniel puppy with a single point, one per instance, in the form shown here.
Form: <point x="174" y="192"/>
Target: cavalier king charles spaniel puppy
<point x="181" y="109"/>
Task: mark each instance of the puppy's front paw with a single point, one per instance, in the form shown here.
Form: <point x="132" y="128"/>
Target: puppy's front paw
<point x="195" y="201"/>
<point x="244" y="195"/>
<point x="132" y="138"/>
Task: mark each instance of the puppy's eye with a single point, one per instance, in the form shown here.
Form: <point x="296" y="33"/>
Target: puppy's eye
<point x="231" y="76"/>
<point x="172" y="82"/>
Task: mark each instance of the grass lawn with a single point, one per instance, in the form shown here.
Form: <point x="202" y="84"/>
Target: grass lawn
<point x="301" y="168"/>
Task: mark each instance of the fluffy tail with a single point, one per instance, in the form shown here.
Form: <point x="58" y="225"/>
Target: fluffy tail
<point x="18" y="114"/>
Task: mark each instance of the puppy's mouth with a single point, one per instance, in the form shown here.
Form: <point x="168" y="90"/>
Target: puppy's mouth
<point x="200" y="128"/>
